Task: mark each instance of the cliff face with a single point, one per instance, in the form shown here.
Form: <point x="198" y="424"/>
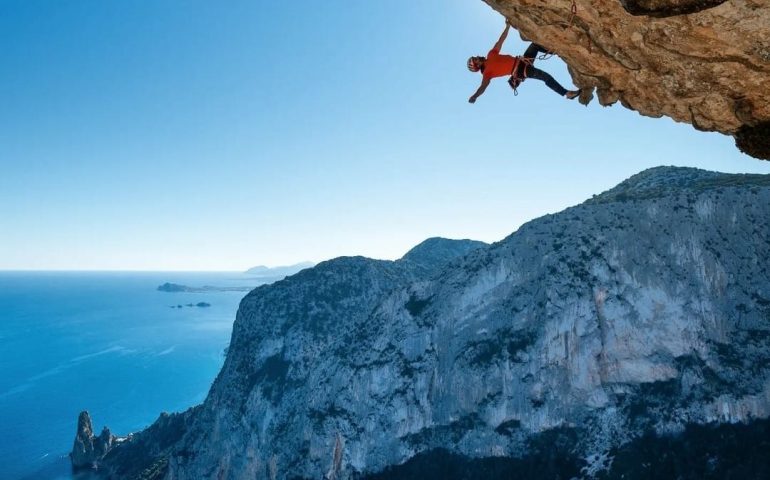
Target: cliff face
<point x="703" y="62"/>
<point x="562" y="348"/>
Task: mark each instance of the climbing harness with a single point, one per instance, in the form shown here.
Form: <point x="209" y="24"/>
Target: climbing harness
<point x="518" y="77"/>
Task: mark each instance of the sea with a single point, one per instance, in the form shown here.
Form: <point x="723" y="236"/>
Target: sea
<point x="106" y="342"/>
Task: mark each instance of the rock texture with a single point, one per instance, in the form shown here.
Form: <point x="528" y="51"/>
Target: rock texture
<point x="557" y="352"/>
<point x="703" y="62"/>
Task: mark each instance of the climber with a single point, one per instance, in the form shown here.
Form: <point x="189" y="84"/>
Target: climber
<point x="519" y="68"/>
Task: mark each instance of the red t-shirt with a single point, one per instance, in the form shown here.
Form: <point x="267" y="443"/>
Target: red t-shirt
<point x="498" y="65"/>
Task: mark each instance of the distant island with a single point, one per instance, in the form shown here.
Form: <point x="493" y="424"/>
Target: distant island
<point x="282" y="271"/>
<point x="175" y="288"/>
<point x="261" y="274"/>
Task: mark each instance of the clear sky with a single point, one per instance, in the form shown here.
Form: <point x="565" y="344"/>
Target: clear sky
<point x="200" y="135"/>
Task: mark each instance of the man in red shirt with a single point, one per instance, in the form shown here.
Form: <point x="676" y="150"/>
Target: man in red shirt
<point x="518" y="68"/>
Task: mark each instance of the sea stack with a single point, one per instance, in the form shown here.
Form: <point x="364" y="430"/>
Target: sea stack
<point x="88" y="449"/>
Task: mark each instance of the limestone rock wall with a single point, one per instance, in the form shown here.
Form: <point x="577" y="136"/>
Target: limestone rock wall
<point x="702" y="62"/>
<point x="644" y="309"/>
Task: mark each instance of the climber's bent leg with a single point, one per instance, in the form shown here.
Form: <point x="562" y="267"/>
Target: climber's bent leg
<point x="533" y="50"/>
<point x="533" y="72"/>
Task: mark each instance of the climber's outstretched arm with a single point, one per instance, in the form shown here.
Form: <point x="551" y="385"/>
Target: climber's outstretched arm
<point x="500" y="42"/>
<point x="482" y="87"/>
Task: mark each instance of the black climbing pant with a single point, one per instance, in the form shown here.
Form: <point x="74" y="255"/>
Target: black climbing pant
<point x="526" y="69"/>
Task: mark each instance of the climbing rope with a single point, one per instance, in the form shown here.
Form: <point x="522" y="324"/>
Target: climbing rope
<point x="572" y="15"/>
<point x="516" y="80"/>
<point x="573" y="12"/>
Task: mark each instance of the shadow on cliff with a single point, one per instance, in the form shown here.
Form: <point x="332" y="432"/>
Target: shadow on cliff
<point x="754" y="140"/>
<point x="700" y="452"/>
<point x="668" y="8"/>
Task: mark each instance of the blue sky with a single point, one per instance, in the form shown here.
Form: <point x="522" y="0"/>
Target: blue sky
<point x="198" y="135"/>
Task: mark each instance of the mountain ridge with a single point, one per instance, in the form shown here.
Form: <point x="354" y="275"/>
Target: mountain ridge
<point x="589" y="327"/>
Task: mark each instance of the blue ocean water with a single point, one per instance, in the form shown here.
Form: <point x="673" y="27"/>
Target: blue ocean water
<point x="108" y="343"/>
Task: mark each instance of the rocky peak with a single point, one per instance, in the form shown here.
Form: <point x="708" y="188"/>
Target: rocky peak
<point x="702" y="62"/>
<point x="661" y="181"/>
<point x="436" y="252"/>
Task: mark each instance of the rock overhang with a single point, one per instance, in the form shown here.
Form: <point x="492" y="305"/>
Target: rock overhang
<point x="702" y="62"/>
